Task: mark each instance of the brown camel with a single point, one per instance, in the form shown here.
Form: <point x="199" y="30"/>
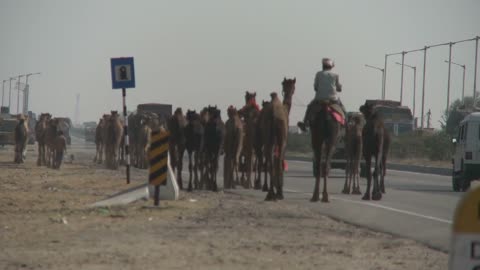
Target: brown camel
<point x="59" y="148"/>
<point x="376" y="143"/>
<point x="21" y="137"/>
<point x="275" y="131"/>
<point x="202" y="164"/>
<point x="214" y="140"/>
<point x="249" y="113"/>
<point x="50" y="135"/>
<point x="324" y="133"/>
<point x="113" y="138"/>
<point x="176" y="126"/>
<point x="353" y="149"/>
<point x="194" y="133"/>
<point x="259" y="148"/>
<point x="99" y="140"/>
<point x="40" y="129"/>
<point x="233" y="145"/>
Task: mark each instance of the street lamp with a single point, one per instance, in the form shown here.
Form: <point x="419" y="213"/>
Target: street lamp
<point x="463" y="84"/>
<point x="3" y="90"/>
<point x="27" y="92"/>
<point x="414" y="84"/>
<point x="383" y="77"/>
<point x="10" y="92"/>
<point x="18" y="93"/>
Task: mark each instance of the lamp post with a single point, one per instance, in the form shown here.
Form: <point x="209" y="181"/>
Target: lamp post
<point x="383" y="79"/>
<point x="18" y="93"/>
<point x="3" y="90"/>
<point x="10" y="92"/>
<point x="414" y="84"/>
<point x="27" y="92"/>
<point x="463" y="83"/>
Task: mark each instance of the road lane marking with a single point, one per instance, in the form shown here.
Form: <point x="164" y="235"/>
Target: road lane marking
<point x="383" y="207"/>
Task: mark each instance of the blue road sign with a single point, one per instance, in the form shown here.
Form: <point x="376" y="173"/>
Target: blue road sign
<point x="123" y="73"/>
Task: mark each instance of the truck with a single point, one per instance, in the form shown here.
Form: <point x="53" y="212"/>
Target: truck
<point x="466" y="157"/>
<point x="90" y="130"/>
<point x="398" y="120"/>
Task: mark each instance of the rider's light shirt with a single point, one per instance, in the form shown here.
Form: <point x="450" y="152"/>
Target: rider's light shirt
<point x="326" y="85"/>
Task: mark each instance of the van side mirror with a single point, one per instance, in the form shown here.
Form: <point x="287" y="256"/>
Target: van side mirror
<point x="454" y="140"/>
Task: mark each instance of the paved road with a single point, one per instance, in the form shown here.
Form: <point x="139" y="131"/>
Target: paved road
<point x="416" y="206"/>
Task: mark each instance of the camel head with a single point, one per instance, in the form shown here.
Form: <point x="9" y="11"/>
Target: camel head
<point x="114" y="113"/>
<point x="288" y="87"/>
<point x="265" y="103"/>
<point x="274" y="96"/>
<point x="249" y="96"/>
<point x="232" y="112"/>
<point x="213" y="112"/>
<point x="367" y="110"/>
<point x="178" y="111"/>
<point x="192" y="115"/>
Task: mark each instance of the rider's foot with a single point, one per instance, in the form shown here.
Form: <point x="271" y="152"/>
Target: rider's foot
<point x="302" y="126"/>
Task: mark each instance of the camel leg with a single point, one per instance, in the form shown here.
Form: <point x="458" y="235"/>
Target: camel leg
<point x="346" y="186"/>
<point x="383" y="173"/>
<point x="258" y="174"/>
<point x="195" y="169"/>
<point x="39" y="159"/>
<point x="249" y="162"/>
<point x="368" y="163"/>
<point x="316" y="173"/>
<point x="180" y="164"/>
<point x="226" y="171"/>
<point x="265" y="180"/>
<point x="214" y="173"/>
<point x="270" y="194"/>
<point x="376" y="194"/>
<point x="326" y="168"/>
<point x="190" y="172"/>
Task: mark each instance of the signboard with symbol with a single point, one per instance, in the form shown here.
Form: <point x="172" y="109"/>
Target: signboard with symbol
<point x="465" y="245"/>
<point x="123" y="73"/>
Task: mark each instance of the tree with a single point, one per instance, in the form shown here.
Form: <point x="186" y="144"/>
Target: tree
<point x="458" y="110"/>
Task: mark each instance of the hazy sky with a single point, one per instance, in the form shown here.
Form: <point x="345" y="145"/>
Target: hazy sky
<point x="195" y="53"/>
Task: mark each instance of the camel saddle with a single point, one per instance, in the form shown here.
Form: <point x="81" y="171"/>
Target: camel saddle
<point x="333" y="108"/>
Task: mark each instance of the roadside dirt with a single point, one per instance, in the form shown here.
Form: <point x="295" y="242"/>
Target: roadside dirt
<point x="45" y="223"/>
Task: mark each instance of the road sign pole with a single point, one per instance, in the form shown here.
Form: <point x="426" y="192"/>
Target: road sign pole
<point x="125" y="128"/>
<point x="156" y="200"/>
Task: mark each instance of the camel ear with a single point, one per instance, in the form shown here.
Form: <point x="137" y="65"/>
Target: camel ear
<point x="284" y="79"/>
<point x="294" y="79"/>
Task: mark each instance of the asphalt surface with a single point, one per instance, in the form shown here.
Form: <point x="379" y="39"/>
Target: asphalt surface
<point x="416" y="206"/>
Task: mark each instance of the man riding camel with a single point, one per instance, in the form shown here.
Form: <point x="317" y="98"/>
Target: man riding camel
<point x="326" y="86"/>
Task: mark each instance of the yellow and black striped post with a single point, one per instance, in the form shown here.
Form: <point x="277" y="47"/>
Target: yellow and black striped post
<point x="158" y="159"/>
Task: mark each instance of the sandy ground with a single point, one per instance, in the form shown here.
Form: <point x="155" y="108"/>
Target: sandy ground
<point x="45" y="223"/>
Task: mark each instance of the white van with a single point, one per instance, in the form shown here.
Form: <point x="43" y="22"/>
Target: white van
<point x="466" y="159"/>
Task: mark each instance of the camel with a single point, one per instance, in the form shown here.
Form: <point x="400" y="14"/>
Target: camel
<point x="233" y="145"/>
<point x="113" y="136"/>
<point x="142" y="144"/>
<point x="21" y="137"/>
<point x="59" y="147"/>
<point x="204" y="118"/>
<point x="275" y="132"/>
<point x="258" y="146"/>
<point x="176" y="125"/>
<point x="99" y="140"/>
<point x="324" y="133"/>
<point x="249" y="113"/>
<point x="50" y="135"/>
<point x="376" y="143"/>
<point x="214" y="139"/>
<point x="40" y="129"/>
<point x="194" y="132"/>
<point x="353" y="148"/>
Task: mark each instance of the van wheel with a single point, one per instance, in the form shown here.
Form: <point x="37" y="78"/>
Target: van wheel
<point x="456" y="178"/>
<point x="465" y="184"/>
